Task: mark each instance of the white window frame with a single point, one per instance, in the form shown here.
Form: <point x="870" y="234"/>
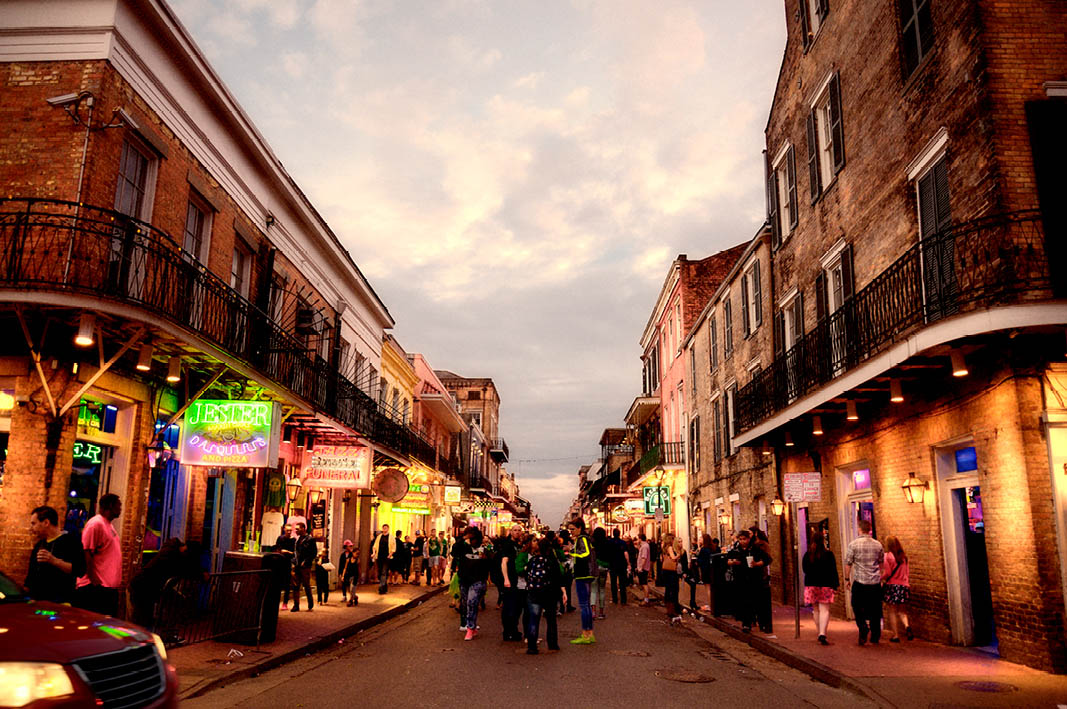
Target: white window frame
<point x="245" y="272"/>
<point x="781" y="174"/>
<point x="202" y="206"/>
<point x="824" y="134"/>
<point x="831" y="264"/>
<point x="753" y="295"/>
<point x="150" y="177"/>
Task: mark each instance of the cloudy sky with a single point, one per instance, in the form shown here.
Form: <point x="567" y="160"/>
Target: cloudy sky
<point x="515" y="176"/>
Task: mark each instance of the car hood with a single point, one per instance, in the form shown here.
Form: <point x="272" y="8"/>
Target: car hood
<point x="47" y="632"/>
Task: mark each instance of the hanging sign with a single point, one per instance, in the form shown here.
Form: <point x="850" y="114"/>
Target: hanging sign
<point x="453" y="493"/>
<point x="338" y="467"/>
<point x="657" y="499"/>
<point x="619" y="514"/>
<point x="802" y="487"/>
<point x="390" y="485"/>
<point x="635" y="505"/>
<point x="231" y="434"/>
<point x="415" y="502"/>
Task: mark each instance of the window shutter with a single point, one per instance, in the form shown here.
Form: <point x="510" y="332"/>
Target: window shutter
<point x="821" y="306"/>
<point x="757" y="294"/>
<point x="822" y="8"/>
<point x="745" y="324"/>
<point x="805" y="28"/>
<point x="848" y="283"/>
<point x="713" y="345"/>
<point x="944" y="210"/>
<point x="791" y="177"/>
<point x="717" y="439"/>
<point x="772" y="202"/>
<point x="696" y="445"/>
<point x="837" y="130"/>
<point x="798" y="317"/>
<point x="779" y="334"/>
<point x="813" y="159"/>
<point x="927" y="206"/>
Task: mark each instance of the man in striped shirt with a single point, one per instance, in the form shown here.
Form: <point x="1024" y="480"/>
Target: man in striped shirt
<point x="863" y="567"/>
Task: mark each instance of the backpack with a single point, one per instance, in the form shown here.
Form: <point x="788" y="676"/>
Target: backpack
<point x="537" y="576"/>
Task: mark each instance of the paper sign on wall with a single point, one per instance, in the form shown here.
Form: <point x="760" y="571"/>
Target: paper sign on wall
<point x="802" y="487"/>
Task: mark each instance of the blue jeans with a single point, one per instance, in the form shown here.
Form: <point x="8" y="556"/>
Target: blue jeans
<point x="538" y="602"/>
<point x="581" y="587"/>
<point x="470" y="599"/>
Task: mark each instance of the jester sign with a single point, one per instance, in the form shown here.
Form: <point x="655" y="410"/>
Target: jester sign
<point x="230" y="434"/>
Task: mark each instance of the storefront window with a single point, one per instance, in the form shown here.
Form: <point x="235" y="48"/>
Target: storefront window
<point x="89" y="470"/>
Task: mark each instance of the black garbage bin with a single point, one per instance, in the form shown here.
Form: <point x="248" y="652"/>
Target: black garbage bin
<point x="266" y="587"/>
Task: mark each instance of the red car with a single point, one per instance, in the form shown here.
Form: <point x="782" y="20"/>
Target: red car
<point x="57" y="656"/>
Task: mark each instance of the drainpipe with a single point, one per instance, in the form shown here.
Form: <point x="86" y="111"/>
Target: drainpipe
<point x="81" y="181"/>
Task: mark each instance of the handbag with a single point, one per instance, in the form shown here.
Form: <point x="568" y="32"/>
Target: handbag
<point x="669" y="564"/>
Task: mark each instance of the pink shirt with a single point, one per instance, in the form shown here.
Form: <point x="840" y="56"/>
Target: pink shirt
<point x="900" y="576"/>
<point x="101" y="543"/>
<point x="644" y="558"/>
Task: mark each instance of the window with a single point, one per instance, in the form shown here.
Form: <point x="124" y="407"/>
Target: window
<point x="473" y="395"/>
<point x="727" y="329"/>
<point x="135" y="174"/>
<point x="197" y="229"/>
<point x="671" y="337"/>
<point x="693" y="370"/>
<point x="383" y="393"/>
<point x="729" y="430"/>
<point x="239" y="270"/>
<point x="916" y="32"/>
<point x="812" y="14"/>
<point x="326" y="342"/>
<point x="277" y="296"/>
<point x="751" y="299"/>
<point x="678" y="320"/>
<point x="940" y="287"/>
<point x="713" y="344"/>
<point x="826" y="138"/>
<point x="716" y="412"/>
<point x="782" y="195"/>
<point x="694" y="443"/>
<point x="475" y="417"/>
<point x="834" y="285"/>
<point x="789" y="322"/>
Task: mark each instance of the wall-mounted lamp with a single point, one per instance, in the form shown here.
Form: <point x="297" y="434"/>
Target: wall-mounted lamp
<point x="292" y="489"/>
<point x="852" y="414"/>
<point x="86" y="328"/>
<point x="959" y="366"/>
<point x="816" y="425"/>
<point x="144" y="357"/>
<point x="777" y="506"/>
<point x="314" y="495"/>
<point x="725" y="518"/>
<point x="174" y="370"/>
<point x="915" y="489"/>
<point x="896" y="393"/>
<point x="788" y="439"/>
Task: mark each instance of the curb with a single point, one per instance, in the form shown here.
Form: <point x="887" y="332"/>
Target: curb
<point x="816" y="670"/>
<point x="325" y="641"/>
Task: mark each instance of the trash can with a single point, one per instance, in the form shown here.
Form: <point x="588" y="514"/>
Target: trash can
<point x="268" y="622"/>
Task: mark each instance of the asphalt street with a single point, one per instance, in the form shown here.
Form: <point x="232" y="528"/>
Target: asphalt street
<point x="420" y="659"/>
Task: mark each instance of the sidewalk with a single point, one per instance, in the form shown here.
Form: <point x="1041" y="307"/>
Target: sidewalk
<point x="205" y="665"/>
<point x="910" y="673"/>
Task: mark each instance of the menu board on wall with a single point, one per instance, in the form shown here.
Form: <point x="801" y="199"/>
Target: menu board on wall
<point x="230" y="434"/>
<point x="318" y="519"/>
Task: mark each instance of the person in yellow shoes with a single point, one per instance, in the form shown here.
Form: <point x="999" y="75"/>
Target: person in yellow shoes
<point x="584" y="565"/>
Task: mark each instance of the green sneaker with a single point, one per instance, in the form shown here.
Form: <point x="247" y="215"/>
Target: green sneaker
<point x="590" y="640"/>
<point x="580" y="640"/>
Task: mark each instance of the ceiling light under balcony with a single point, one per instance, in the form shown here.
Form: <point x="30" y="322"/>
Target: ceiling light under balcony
<point x="816" y="425"/>
<point x="174" y="370"/>
<point x="86" y="328"/>
<point x="144" y="357"/>
<point x="852" y="414"/>
<point x="896" y="394"/>
<point x="959" y="365"/>
<point x="788" y="439"/>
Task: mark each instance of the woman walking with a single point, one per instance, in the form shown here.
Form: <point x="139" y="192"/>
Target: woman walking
<point x="672" y="553"/>
<point x="896" y="587"/>
<point x="584" y="562"/>
<point x="708" y="551"/>
<point x="820" y="582"/>
<point x="604" y="551"/>
<point x="544" y="590"/>
<point x="473" y="571"/>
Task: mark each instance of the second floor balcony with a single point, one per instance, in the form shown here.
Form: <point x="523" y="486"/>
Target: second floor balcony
<point x="934" y="287"/>
<point x="662" y="455"/>
<point x="498" y="449"/>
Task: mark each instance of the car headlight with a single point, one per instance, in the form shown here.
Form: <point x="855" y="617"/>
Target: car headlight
<point x="25" y="682"/>
<point x="160" y="647"/>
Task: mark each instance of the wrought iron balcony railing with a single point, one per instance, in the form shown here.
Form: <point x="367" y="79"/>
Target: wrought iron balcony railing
<point x="992" y="261"/>
<point x="50" y="245"/>
<point x="499" y="450"/>
<point x="662" y="454"/>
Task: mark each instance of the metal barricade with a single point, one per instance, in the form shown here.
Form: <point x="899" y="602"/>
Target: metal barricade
<point x="222" y="606"/>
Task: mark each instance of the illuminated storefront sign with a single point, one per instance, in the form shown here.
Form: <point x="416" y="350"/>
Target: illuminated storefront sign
<point x="338" y="467"/>
<point x="634" y="505"/>
<point x="87" y="453"/>
<point x="231" y="434"/>
<point x="619" y="514"/>
<point x="416" y="502"/>
<point x="657" y="499"/>
<point x="453" y="494"/>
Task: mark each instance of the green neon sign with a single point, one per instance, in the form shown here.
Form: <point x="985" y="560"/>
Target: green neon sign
<point x="235" y="434"/>
<point x="657" y="499"/>
<point x="87" y="452"/>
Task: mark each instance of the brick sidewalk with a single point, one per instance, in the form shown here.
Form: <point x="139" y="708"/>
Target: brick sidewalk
<point x="892" y="673"/>
<point x="205" y="665"/>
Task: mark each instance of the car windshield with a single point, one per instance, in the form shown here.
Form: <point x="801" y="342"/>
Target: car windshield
<point x="10" y="591"/>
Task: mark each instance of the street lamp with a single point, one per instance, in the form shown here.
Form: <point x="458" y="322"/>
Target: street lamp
<point x="314" y="495"/>
<point x="777" y="506"/>
<point x="292" y="489"/>
<point x="915" y="489"/>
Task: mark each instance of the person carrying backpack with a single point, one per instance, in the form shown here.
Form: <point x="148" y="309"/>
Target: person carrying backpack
<point x="544" y="590"/>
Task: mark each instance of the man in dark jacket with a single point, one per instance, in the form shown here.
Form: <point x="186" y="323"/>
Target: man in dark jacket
<point x="57" y="559"/>
<point x="620" y="565"/>
<point x="303" y="560"/>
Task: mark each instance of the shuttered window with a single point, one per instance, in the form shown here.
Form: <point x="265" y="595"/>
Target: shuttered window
<point x="812" y="14"/>
<point x="717" y="415"/>
<point x="751" y="299"/>
<point x="916" y="33"/>
<point x="938" y="252"/>
<point x="826" y="138"/>
<point x="727" y="329"/>
<point x="713" y="344"/>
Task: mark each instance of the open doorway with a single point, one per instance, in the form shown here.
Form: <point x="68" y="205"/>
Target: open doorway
<point x="855" y="502"/>
<point x="966" y="561"/>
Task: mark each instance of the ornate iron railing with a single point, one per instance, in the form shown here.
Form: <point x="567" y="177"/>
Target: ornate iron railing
<point x="499" y="449"/>
<point x="50" y="245"/>
<point x="991" y="261"/>
<point x="663" y="454"/>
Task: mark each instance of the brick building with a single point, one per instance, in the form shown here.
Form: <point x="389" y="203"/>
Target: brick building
<point x="919" y="326"/>
<point x="156" y="252"/>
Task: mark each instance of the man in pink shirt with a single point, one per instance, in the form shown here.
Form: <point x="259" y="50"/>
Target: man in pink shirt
<point x="644" y="566"/>
<point x="98" y="590"/>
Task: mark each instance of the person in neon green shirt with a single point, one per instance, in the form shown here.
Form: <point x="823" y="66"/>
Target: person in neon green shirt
<point x="584" y="559"/>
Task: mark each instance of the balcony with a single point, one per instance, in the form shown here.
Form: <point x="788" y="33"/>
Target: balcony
<point x="991" y="262"/>
<point x="50" y="246"/>
<point x="662" y="455"/>
<point x="498" y="449"/>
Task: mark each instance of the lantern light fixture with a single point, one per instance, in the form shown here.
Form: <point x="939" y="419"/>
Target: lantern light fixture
<point x="959" y="365"/>
<point x="292" y="489"/>
<point x="777" y="506"/>
<point x="896" y="393"/>
<point x="174" y="370"/>
<point x="725" y="518"/>
<point x="915" y="489"/>
<point x="816" y="425"/>
<point x="314" y="495"/>
<point x="86" y="330"/>
<point x="144" y="357"/>
<point x="852" y="414"/>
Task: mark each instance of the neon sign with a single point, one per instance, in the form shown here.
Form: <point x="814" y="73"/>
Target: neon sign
<point x="416" y="502"/>
<point x="230" y="434"/>
<point x="338" y="467"/>
<point x="87" y="452"/>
